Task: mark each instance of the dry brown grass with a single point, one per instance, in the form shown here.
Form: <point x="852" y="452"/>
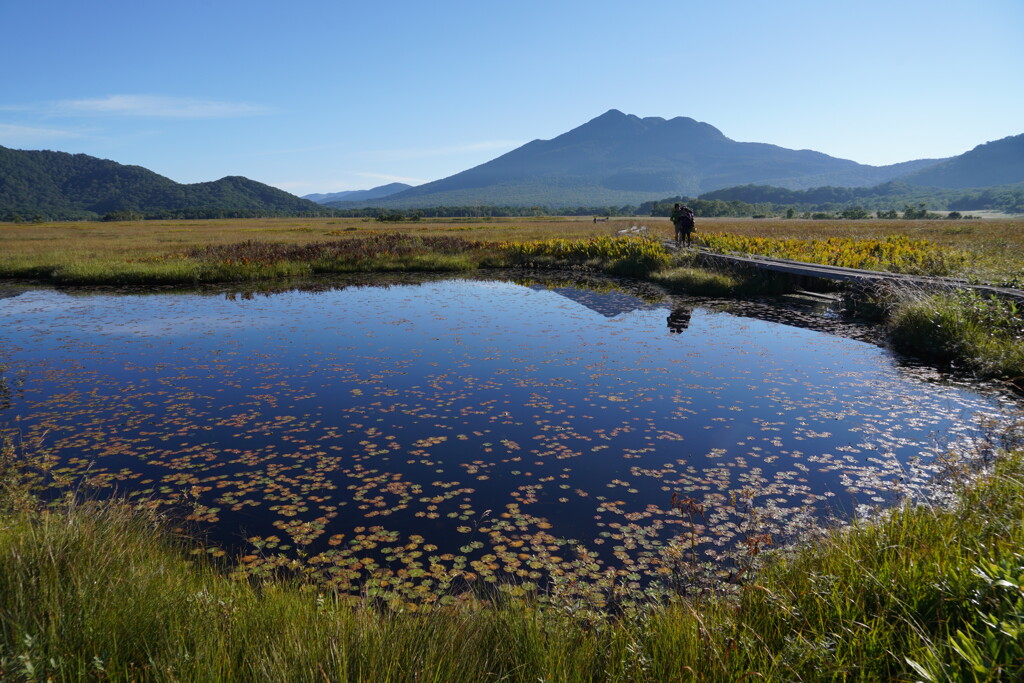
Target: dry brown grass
<point x="997" y="245"/>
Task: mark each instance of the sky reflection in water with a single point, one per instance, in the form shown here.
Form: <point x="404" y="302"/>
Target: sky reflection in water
<point x="459" y="427"/>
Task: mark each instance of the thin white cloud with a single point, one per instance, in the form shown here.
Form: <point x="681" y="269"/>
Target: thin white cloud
<point x="158" y="106"/>
<point x="468" y="148"/>
<point x="11" y="134"/>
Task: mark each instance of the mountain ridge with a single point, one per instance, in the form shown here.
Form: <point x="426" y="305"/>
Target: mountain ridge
<point x="615" y="159"/>
<point x="997" y="162"/>
<point x="619" y="158"/>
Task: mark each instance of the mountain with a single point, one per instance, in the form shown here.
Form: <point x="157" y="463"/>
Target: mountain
<point x="58" y="185"/>
<point x="619" y="158"/>
<point x="358" y="195"/>
<point x="994" y="163"/>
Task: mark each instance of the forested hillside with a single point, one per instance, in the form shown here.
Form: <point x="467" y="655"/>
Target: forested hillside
<point x="1000" y="162"/>
<point x="56" y="185"/>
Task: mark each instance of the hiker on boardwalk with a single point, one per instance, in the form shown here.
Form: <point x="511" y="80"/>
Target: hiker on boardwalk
<point x="682" y="219"/>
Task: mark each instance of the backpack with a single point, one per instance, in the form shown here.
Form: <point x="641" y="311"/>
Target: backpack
<point x="686" y="219"/>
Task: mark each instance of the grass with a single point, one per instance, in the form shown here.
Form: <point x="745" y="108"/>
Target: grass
<point x="74" y="251"/>
<point x="930" y="591"/>
<point x="984" y="333"/>
<point x="637" y="257"/>
<point x="894" y="253"/>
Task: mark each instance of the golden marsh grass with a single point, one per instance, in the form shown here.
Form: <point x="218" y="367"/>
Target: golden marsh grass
<point x="996" y="246"/>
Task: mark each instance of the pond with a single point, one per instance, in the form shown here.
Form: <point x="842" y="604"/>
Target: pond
<point x="399" y="437"/>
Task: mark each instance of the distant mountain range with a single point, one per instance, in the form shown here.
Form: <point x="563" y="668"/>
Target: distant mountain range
<point x="358" y="195"/>
<point x="619" y="159"/>
<point x="615" y="159"/>
<point x="57" y="185"/>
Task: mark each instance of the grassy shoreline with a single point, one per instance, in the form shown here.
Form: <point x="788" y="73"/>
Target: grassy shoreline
<point x="925" y="592"/>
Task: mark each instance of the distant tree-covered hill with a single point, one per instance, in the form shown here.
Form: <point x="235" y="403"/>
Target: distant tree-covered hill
<point x="1000" y="162"/>
<point x="894" y="195"/>
<point x="57" y="185"/>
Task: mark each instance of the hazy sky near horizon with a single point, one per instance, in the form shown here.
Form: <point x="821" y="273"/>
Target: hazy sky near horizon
<point x="321" y="96"/>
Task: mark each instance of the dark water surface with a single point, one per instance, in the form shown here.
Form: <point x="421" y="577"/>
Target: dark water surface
<point x="418" y="432"/>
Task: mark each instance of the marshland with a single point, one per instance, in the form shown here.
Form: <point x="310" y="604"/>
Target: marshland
<point x="331" y="448"/>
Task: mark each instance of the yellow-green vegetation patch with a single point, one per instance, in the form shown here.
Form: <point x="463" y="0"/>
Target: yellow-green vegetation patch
<point x="896" y="253"/>
<point x="626" y="255"/>
<point x="701" y="281"/>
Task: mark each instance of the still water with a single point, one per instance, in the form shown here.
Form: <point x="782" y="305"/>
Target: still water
<point x="421" y="431"/>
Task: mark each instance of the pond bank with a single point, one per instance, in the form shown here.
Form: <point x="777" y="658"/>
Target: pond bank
<point x="107" y="591"/>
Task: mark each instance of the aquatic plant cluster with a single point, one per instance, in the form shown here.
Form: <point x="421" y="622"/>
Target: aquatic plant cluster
<point x="102" y="591"/>
<point x="459" y="438"/>
<point x="896" y="253"/>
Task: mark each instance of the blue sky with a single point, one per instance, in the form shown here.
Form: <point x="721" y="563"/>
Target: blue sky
<point x="318" y="96"/>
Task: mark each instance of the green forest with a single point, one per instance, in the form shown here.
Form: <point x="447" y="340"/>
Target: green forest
<point x="43" y="185"/>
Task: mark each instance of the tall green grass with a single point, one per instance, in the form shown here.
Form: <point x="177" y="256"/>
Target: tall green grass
<point x="928" y="591"/>
<point x="984" y="333"/>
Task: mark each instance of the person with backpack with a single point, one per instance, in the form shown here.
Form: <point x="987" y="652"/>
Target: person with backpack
<point x="682" y="219"/>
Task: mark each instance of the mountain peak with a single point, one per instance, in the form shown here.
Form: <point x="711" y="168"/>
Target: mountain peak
<point x="619" y="158"/>
<point x="612" y="123"/>
<point x="615" y="124"/>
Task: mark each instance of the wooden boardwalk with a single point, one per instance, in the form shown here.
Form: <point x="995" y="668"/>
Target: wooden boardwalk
<point x="852" y="275"/>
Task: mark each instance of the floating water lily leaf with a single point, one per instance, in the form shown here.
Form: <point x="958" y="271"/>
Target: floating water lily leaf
<point x="406" y="440"/>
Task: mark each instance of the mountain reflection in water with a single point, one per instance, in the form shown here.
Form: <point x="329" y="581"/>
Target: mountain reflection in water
<point x="473" y="428"/>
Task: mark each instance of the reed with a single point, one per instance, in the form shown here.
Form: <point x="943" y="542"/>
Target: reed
<point x="982" y="332"/>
